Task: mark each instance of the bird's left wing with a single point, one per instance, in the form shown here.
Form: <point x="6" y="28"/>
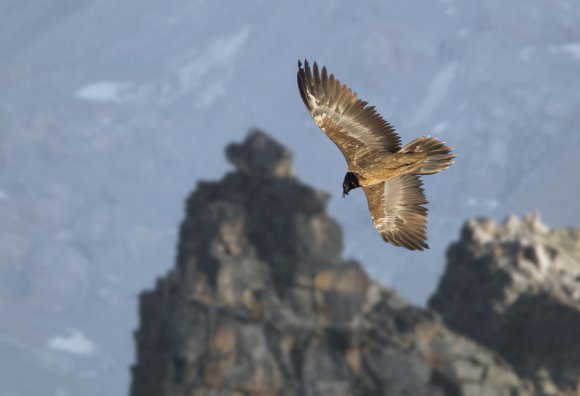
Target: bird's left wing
<point x="352" y="125"/>
<point x="397" y="211"/>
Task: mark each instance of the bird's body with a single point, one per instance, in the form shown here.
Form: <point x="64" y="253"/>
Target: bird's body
<point x="376" y="167"/>
<point x="387" y="172"/>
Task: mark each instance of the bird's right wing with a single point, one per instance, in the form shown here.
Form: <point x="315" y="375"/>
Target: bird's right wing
<point x="397" y="211"/>
<point x="352" y="125"/>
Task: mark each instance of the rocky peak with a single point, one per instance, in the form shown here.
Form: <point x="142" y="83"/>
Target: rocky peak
<point x="261" y="302"/>
<point x="515" y="287"/>
<point x="259" y="231"/>
<point x="259" y="154"/>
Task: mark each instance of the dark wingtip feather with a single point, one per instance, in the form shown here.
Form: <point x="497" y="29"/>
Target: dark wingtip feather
<point x="316" y="73"/>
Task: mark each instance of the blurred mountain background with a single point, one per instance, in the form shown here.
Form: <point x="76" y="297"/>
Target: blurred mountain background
<point x="111" y="111"/>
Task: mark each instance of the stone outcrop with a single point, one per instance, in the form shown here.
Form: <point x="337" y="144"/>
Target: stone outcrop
<point x="515" y="288"/>
<point x="261" y="302"/>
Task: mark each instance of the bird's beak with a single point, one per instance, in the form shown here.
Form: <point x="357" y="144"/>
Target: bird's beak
<point x="344" y="194"/>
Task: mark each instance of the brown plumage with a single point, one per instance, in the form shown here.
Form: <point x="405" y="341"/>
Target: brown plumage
<point x="387" y="172"/>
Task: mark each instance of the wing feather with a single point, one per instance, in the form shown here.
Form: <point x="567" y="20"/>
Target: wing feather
<point x="353" y="126"/>
<point x="397" y="211"/>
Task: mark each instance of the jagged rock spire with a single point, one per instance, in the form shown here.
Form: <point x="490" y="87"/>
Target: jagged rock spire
<point x="259" y="154"/>
<point x="261" y="302"/>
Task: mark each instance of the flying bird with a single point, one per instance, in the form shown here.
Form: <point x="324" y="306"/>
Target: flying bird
<point x="388" y="173"/>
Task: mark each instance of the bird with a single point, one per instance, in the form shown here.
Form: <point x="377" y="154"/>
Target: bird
<point x="388" y="173"/>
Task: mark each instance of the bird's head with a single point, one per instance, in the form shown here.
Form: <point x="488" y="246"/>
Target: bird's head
<point x="350" y="182"/>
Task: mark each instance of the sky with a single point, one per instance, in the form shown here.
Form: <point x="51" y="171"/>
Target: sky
<point x="111" y="112"/>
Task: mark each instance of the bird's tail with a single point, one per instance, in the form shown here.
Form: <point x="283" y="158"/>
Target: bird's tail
<point x="439" y="156"/>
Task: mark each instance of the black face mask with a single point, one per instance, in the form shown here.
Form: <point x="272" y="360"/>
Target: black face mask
<point x="350" y="182"/>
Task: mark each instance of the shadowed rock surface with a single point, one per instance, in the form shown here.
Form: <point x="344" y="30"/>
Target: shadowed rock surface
<point x="261" y="302"/>
<point x="515" y="287"/>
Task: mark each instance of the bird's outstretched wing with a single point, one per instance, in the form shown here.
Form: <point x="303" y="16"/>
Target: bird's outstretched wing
<point x="396" y="210"/>
<point x="352" y="125"/>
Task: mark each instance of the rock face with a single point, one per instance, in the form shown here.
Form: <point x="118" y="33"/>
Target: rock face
<point x="515" y="288"/>
<point x="261" y="302"/>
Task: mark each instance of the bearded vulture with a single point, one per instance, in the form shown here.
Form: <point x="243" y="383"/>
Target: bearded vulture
<point x="388" y="173"/>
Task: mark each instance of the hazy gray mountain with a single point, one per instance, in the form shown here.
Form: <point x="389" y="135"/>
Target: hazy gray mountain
<point x="110" y="111"/>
